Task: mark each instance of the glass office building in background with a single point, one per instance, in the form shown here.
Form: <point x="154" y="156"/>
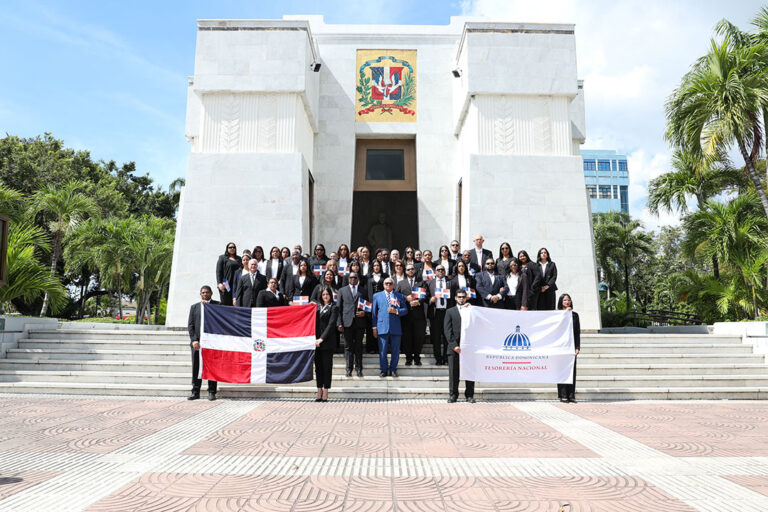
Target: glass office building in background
<point x="607" y="178"/>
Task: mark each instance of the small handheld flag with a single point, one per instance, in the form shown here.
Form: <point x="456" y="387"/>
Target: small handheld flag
<point x="335" y="297"/>
<point x="419" y="293"/>
<point x="318" y="269"/>
<point x="364" y="305"/>
<point x="343" y="271"/>
<point x="429" y="274"/>
<point x="226" y="285"/>
<point x="443" y="293"/>
<point x="472" y="272"/>
<point x="300" y="300"/>
<point x="394" y="302"/>
<point x="470" y="292"/>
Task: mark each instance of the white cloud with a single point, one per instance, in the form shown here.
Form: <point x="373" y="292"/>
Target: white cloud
<point x="631" y="56"/>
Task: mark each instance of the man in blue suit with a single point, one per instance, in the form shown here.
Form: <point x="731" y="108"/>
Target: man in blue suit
<point x="388" y="307"/>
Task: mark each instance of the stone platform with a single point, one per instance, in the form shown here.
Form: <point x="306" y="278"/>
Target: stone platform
<point x="70" y="453"/>
<point x="156" y="362"/>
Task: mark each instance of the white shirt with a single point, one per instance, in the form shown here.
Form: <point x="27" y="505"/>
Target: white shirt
<point x="512" y="281"/>
<point x="376" y="277"/>
<point x="354" y="290"/>
<point x="462" y="281"/>
<point x="301" y="280"/>
<point x="364" y="268"/>
<point x="263" y="267"/>
<point x="342" y="262"/>
<point x="440" y="283"/>
<point x="275" y="263"/>
<point x="295" y="268"/>
<point x="479" y="253"/>
<point x="543" y="268"/>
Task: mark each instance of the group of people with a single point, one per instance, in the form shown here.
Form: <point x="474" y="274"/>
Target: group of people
<point x="387" y="298"/>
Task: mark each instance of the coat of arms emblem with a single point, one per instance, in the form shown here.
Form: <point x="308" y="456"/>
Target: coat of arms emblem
<point x="386" y="85"/>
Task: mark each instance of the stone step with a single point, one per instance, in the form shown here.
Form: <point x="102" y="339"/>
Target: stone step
<point x="371" y="379"/>
<point x="108" y="334"/>
<point x="665" y="348"/>
<point x="105" y="344"/>
<point x="183" y="367"/>
<point x="125" y="354"/>
<point x="391" y="390"/>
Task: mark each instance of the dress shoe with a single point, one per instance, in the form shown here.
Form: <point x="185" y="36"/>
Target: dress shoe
<point x="359" y="373"/>
<point x="383" y="374"/>
<point x="318" y="399"/>
<point x="418" y="362"/>
<point x="349" y="373"/>
<point x="564" y="400"/>
<point x="211" y="396"/>
<point x="572" y="400"/>
<point x="194" y="396"/>
<point x="393" y="373"/>
<point x="408" y="362"/>
<point x="471" y="400"/>
<point x="452" y="400"/>
<point x="438" y="362"/>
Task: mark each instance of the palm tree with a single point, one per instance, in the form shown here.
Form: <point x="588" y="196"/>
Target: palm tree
<point x="151" y="253"/>
<point x="720" y="102"/>
<point x="27" y="277"/>
<point x="692" y="177"/>
<point x="11" y="203"/>
<point x="619" y="242"/>
<point x="64" y="207"/>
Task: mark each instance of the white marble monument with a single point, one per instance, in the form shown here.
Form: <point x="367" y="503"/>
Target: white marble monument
<point x="453" y="130"/>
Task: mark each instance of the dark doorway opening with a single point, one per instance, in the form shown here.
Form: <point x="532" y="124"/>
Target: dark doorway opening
<point x="400" y="211"/>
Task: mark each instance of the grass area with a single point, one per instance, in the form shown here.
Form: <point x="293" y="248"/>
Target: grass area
<point x="106" y="320"/>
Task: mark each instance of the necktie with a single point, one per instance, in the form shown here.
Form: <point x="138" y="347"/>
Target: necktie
<point x="354" y="292"/>
<point x="388" y="299"/>
<point x="442" y="300"/>
<point x="251" y="279"/>
<point x="410" y="283"/>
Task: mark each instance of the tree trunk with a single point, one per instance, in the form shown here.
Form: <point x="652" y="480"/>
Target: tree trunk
<point x="754" y="300"/>
<point x="626" y="285"/>
<point x="752" y="175"/>
<point x="54" y="259"/>
<point x="119" y="292"/>
<point x="715" y="267"/>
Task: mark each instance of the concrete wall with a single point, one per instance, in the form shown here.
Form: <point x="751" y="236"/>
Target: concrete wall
<point x="17" y="327"/>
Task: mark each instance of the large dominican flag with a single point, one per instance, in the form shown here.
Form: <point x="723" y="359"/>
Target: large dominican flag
<point x="257" y="345"/>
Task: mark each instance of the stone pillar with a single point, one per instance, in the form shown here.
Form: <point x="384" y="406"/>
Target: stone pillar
<point x="251" y="115"/>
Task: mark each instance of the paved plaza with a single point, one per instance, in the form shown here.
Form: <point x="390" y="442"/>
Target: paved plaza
<point x="73" y="453"/>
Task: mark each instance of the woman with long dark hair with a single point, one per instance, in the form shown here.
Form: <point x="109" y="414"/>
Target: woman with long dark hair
<point x="258" y="255"/>
<point x="567" y="392"/>
<point x="514" y="286"/>
<point x="444" y="259"/>
<point x="408" y="256"/>
<point x="365" y="261"/>
<point x="548" y="281"/>
<point x="526" y="265"/>
<point x="343" y="254"/>
<point x="285" y="254"/>
<point x="328" y="281"/>
<point x="303" y="283"/>
<point x="327" y="339"/>
<point x="505" y="256"/>
<point x="274" y="264"/>
<point x="463" y="281"/>
<point x="227" y="268"/>
<point x="425" y="269"/>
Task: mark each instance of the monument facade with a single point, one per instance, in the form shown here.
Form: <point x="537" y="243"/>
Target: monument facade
<point x="306" y="132"/>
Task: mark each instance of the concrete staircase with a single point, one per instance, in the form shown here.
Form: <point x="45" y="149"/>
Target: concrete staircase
<point x="155" y="362"/>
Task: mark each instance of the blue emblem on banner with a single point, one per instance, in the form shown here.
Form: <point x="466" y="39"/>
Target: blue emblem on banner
<point x="517" y="341"/>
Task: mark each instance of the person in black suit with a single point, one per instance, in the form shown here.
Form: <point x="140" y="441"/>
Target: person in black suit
<point x="274" y="264"/>
<point x="319" y="258"/>
<point x="444" y="258"/>
<point x="452" y="329"/>
<point x="415" y="322"/>
<point x="505" y="256"/>
<point x="463" y="281"/>
<point x="250" y="286"/>
<point x="386" y="264"/>
<point x="473" y="268"/>
<point x="516" y="290"/>
<point x="227" y="268"/>
<point x="271" y="297"/>
<point x="328" y="281"/>
<point x="567" y="392"/>
<point x="290" y="269"/>
<point x="193" y="327"/>
<point x="436" y="313"/>
<point x="526" y="265"/>
<point x="490" y="286"/>
<point x="547" y="271"/>
<point x="352" y="322"/>
<point x="478" y="254"/>
<point x="327" y="338"/>
<point x="303" y="283"/>
<point x="374" y="285"/>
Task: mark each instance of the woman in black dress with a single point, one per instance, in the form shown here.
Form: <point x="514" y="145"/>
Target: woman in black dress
<point x="567" y="392"/>
<point x="526" y="265"/>
<point x="303" y="283"/>
<point x="548" y="281"/>
<point x="227" y="271"/>
<point x="505" y="256"/>
<point x="327" y="339"/>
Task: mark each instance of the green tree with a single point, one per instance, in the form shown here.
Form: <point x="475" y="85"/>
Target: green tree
<point x="720" y="102"/>
<point x="620" y="243"/>
<point x="151" y="253"/>
<point x="27" y="277"/>
<point x="64" y="207"/>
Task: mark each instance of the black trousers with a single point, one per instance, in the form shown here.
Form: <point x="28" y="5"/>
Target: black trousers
<point x="225" y="298"/>
<point x="546" y="300"/>
<point x="353" y="347"/>
<point x="511" y="303"/>
<point x="453" y="378"/>
<point x="568" y="390"/>
<point x="197" y="383"/>
<point x="439" y="343"/>
<point x="414" y="333"/>
<point x="324" y="368"/>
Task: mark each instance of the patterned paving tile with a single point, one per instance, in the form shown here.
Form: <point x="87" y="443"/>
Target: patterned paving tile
<point x="756" y="483"/>
<point x="16" y="481"/>
<point x="383" y="429"/>
<point x="694" y="429"/>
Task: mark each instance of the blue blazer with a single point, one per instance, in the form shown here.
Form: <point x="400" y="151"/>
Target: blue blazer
<point x="485" y="288"/>
<point x="384" y="322"/>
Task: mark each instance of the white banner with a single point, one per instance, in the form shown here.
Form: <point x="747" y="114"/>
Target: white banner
<point x="500" y="345"/>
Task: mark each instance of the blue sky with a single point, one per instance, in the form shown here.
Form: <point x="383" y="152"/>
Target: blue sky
<point x="111" y="77"/>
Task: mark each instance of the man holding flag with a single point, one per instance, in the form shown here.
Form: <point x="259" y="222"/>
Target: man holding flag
<point x="387" y="308"/>
<point x="352" y="322"/>
<point x="193" y="326"/>
<point x="414" y="323"/>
